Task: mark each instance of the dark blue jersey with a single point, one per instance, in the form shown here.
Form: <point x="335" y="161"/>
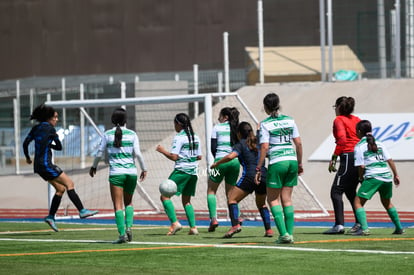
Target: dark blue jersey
<point x="248" y="158"/>
<point x="45" y="137"/>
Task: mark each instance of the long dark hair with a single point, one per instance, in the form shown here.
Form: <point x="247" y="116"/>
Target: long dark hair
<point x="245" y="131"/>
<point x="118" y="118"/>
<point x="271" y="103"/>
<point x="42" y="113"/>
<point x="233" y="118"/>
<point x="345" y="105"/>
<point x="364" y="126"/>
<point x="184" y="121"/>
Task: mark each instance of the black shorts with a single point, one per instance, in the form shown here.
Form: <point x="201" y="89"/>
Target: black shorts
<point x="347" y="175"/>
<point x="49" y="172"/>
<point x="248" y="185"/>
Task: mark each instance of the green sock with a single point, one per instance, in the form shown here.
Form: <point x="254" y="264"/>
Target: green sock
<point x="392" y="212"/>
<point x="212" y="205"/>
<point x="189" y="211"/>
<point x="169" y="210"/>
<point x="238" y="211"/>
<point x="289" y="218"/>
<point x="277" y="212"/>
<point x="120" y="222"/>
<point x="362" y="218"/>
<point x="129" y="216"/>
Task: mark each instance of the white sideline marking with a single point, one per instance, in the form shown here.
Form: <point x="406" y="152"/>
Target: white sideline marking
<point x="75" y="229"/>
<point x="292" y="248"/>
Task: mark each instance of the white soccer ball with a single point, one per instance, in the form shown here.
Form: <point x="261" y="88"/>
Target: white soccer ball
<point x="168" y="188"/>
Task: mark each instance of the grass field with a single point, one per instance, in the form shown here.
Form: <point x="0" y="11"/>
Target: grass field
<point x="32" y="248"/>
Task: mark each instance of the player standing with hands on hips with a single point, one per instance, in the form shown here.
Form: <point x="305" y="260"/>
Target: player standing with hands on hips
<point x="280" y="140"/>
<point x="185" y="152"/>
<point x="122" y="145"/>
<point x="45" y="137"/>
<point x="371" y="159"/>
<point x="346" y="178"/>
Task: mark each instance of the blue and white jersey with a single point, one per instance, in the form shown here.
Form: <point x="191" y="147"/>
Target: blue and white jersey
<point x="46" y="139"/>
<point x="375" y="164"/>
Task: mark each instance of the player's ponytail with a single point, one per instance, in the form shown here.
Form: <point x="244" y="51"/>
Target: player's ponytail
<point x="271" y="104"/>
<point x="365" y="128"/>
<point x="184" y="121"/>
<point x="232" y="115"/>
<point x="118" y="119"/>
<point x="345" y="105"/>
<point x="245" y="131"/>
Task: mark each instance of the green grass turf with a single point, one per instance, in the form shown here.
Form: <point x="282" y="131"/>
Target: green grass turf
<point x="32" y="248"/>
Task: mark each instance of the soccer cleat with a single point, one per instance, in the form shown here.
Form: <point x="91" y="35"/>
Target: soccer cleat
<point x="213" y="225"/>
<point x="398" y="232"/>
<point x="121" y="239"/>
<point x="174" y="228"/>
<point x="268" y="233"/>
<point x="361" y="232"/>
<point x="354" y="228"/>
<point x="233" y="230"/>
<point x="84" y="213"/>
<point x="285" y="239"/>
<point x="51" y="222"/>
<point x="129" y="234"/>
<point x="193" y="231"/>
<point x="337" y="229"/>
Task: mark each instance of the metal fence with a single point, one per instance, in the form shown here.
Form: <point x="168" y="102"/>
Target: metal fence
<point x="34" y="91"/>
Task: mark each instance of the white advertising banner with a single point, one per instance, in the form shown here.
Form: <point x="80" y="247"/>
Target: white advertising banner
<point x="395" y="130"/>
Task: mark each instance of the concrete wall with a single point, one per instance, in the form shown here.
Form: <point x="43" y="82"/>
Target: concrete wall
<point x="80" y="37"/>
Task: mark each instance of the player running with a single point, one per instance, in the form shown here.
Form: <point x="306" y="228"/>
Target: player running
<point x="247" y="153"/>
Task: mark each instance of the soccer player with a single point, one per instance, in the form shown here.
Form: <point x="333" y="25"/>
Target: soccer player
<point x="223" y="137"/>
<point x="346" y="178"/>
<point x="371" y="159"/>
<point x="279" y="137"/>
<point x="185" y="152"/>
<point x="45" y="137"/>
<point x="247" y="153"/>
<point x="122" y="145"/>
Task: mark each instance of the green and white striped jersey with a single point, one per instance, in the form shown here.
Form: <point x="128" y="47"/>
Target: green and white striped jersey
<point x="279" y="132"/>
<point x="221" y="132"/>
<point x="121" y="160"/>
<point x="187" y="159"/>
<point x="375" y="163"/>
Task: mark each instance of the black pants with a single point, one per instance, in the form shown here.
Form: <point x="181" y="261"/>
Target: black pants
<point x="346" y="181"/>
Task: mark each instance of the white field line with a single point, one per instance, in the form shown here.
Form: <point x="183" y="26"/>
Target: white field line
<point x="76" y="229"/>
<point x="291" y="248"/>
